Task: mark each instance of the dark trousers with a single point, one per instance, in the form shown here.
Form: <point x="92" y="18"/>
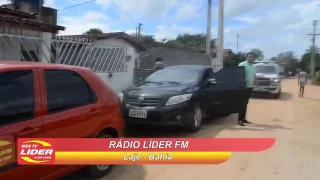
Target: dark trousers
<point x="243" y="112"/>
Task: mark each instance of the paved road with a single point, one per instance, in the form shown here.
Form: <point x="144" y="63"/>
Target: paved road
<point x="295" y="123"/>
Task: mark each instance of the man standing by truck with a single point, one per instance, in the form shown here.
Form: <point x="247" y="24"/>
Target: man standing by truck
<point x="250" y="80"/>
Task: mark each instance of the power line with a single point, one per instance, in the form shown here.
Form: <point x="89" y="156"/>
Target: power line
<point x="87" y="2"/>
<point x="77" y="5"/>
<point x="128" y="15"/>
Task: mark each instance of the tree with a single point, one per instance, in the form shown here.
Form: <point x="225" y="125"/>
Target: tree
<point x="257" y="53"/>
<point x="145" y="39"/>
<point x="93" y="31"/>
<point x="232" y="59"/>
<point x="197" y="41"/>
<point x="273" y="59"/>
<point x="290" y="59"/>
<point x="306" y="59"/>
<point x="317" y="50"/>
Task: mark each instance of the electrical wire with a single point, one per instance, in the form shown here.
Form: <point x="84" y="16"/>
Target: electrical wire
<point x="128" y="15"/>
<point x="87" y="2"/>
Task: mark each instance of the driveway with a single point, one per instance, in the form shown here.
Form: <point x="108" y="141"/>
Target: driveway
<point x="294" y="122"/>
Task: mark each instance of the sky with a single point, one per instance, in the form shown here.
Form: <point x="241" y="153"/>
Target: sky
<point x="274" y="26"/>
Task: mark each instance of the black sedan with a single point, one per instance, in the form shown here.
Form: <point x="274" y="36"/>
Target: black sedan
<point x="183" y="95"/>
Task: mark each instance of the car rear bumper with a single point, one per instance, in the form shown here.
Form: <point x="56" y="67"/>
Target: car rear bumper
<point x="160" y="116"/>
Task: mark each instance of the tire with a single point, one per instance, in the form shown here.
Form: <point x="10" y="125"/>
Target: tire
<point x="195" y="119"/>
<point x="99" y="171"/>
<point x="277" y="96"/>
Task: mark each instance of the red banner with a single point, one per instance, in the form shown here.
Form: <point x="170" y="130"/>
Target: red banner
<point x="136" y="151"/>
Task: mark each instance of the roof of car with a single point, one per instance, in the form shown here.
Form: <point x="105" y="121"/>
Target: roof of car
<point x="36" y="64"/>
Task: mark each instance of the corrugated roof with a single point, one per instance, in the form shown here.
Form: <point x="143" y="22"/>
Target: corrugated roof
<point x="8" y="15"/>
<point x="31" y="22"/>
<point x="5" y="10"/>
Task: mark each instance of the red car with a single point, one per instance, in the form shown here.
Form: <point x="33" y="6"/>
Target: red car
<point x="42" y="100"/>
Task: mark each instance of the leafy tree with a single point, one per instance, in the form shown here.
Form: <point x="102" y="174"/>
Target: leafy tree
<point x="273" y="59"/>
<point x="306" y="59"/>
<point x="290" y="59"/>
<point x="309" y="50"/>
<point x="258" y="53"/>
<point x="232" y="59"/>
<point x="145" y="39"/>
<point x="174" y="43"/>
<point x="93" y="31"/>
<point x="197" y="41"/>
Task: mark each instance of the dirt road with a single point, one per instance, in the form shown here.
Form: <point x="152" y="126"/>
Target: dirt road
<point x="294" y="122"/>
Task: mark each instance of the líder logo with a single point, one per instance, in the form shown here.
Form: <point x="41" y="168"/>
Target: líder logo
<point x="36" y="152"/>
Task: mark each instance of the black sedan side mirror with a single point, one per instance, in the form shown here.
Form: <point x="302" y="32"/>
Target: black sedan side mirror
<point x="211" y="81"/>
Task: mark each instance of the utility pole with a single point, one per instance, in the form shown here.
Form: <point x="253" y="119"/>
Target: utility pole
<point x="139" y="30"/>
<point x="237" y="43"/>
<point x="313" y="47"/>
<point x="208" y="38"/>
<point x="220" y="49"/>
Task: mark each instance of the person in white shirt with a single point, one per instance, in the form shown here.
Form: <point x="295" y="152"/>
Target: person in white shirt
<point x="302" y="81"/>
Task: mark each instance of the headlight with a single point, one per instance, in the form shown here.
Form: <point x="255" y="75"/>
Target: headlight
<point x="178" y="99"/>
<point x="275" y="80"/>
<point x="120" y="95"/>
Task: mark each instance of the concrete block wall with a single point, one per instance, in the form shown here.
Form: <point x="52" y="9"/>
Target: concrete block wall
<point x="173" y="56"/>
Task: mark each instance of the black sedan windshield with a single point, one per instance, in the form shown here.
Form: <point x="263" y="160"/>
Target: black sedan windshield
<point x="175" y="75"/>
<point x="266" y="69"/>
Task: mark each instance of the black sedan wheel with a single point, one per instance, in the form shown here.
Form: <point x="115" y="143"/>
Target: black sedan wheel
<point x="195" y="120"/>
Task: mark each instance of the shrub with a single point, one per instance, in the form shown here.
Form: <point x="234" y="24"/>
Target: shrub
<point x="316" y="79"/>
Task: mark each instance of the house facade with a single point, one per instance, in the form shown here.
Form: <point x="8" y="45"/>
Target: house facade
<point x="118" y="52"/>
<point x="16" y="24"/>
<point x="28" y="33"/>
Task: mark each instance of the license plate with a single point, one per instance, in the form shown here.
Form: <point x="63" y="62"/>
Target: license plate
<point x="261" y="89"/>
<point x="138" y="113"/>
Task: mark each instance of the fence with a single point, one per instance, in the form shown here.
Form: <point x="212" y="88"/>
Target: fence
<point x="98" y="57"/>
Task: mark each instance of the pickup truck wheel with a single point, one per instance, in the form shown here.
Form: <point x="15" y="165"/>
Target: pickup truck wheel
<point x="195" y="120"/>
<point x="277" y="96"/>
<point x="99" y="170"/>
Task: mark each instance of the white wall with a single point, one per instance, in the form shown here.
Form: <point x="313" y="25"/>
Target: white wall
<point x="10" y="49"/>
<point x="120" y="80"/>
<point x="45" y="47"/>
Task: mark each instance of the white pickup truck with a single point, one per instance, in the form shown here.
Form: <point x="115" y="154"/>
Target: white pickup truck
<point x="268" y="79"/>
